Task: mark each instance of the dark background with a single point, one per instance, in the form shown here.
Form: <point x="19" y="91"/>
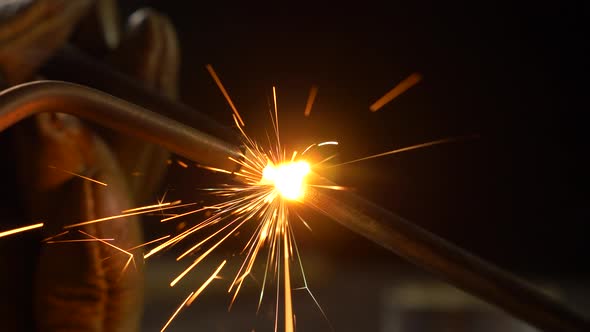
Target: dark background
<point x="513" y="74"/>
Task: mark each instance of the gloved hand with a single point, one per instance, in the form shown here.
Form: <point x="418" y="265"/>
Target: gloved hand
<point x="76" y="286"/>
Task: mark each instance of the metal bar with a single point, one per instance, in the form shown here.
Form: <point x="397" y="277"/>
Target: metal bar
<point x="72" y="65"/>
<point x="27" y="99"/>
<point x="453" y="264"/>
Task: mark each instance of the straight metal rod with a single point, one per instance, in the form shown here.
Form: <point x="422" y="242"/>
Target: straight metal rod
<point x="453" y="264"/>
<point x="27" y="99"/>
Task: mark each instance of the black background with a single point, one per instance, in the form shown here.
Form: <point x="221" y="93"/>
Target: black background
<point x="515" y="75"/>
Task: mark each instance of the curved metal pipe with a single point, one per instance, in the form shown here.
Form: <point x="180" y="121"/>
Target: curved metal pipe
<point x="27" y="99"/>
<point x="71" y="65"/>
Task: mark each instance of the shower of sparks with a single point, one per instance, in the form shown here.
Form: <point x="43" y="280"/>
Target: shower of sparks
<point x="400" y="88"/>
<point x="310" y="100"/>
<point x="78" y="175"/>
<point x="20" y="229"/>
<point x="271" y="181"/>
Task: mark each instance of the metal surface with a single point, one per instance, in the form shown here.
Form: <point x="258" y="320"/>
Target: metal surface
<point x="456" y="266"/>
<point x="27" y="99"/>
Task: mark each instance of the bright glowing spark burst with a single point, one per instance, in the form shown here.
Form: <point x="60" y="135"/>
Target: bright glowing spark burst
<point x="270" y="182"/>
<point x="20" y="229"/>
<point x="288" y="178"/>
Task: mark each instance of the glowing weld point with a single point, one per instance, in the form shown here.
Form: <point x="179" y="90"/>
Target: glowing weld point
<point x="288" y="178"/>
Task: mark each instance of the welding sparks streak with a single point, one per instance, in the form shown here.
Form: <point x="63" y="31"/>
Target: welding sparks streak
<point x="214" y="169"/>
<point x="312" y="94"/>
<point x="55" y="236"/>
<point x="176" y="312"/>
<point x="225" y="94"/>
<point x="138" y="212"/>
<point x="78" y="175"/>
<point x="79" y="240"/>
<point x="274" y="98"/>
<point x="287" y="278"/>
<point x="148" y="243"/>
<point x="159" y="205"/>
<point x="21" y="229"/>
<point x="205" y="284"/>
<point x="131" y="257"/>
<point x="402" y="86"/>
<point x="139" y="246"/>
<point x="186" y="213"/>
<point x="413" y="147"/>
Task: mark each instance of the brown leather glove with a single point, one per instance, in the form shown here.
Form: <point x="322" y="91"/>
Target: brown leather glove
<point x="77" y="287"/>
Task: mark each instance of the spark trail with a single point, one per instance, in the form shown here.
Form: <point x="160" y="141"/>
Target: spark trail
<point x="400" y="88"/>
<point x="20" y="229"/>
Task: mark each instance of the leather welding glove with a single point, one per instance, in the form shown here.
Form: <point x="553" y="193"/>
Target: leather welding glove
<point x="149" y="51"/>
<point x="83" y="286"/>
<point x="31" y="31"/>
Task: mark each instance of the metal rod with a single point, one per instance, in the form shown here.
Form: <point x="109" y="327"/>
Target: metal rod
<point x="72" y="65"/>
<point x="456" y="266"/>
<point x="27" y="99"/>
